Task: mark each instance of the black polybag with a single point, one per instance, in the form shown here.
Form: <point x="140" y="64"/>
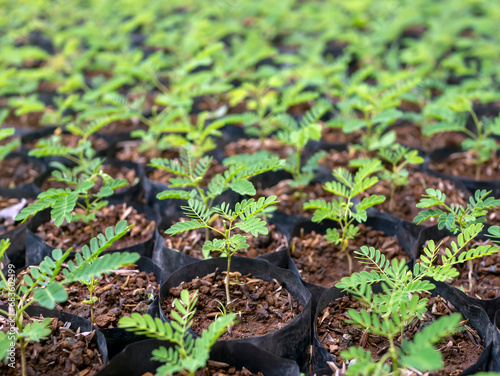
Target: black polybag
<point x="135" y="360"/>
<point x="291" y="341"/>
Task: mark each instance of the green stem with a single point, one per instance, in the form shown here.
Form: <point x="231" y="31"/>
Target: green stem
<point x="22" y="346"/>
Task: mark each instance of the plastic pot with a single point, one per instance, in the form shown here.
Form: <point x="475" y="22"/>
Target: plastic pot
<point x="290" y="341"/>
<point x="135" y="359"/>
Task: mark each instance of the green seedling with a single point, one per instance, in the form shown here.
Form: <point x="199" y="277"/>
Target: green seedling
<point x="456" y="218"/>
<point x="243" y="217"/>
<point x="40" y="286"/>
<point x="297" y="135"/>
<point x="189" y="353"/>
<point x="190" y="173"/>
<point x="387" y="314"/>
<point x="398" y="157"/>
<point x="341" y="209"/>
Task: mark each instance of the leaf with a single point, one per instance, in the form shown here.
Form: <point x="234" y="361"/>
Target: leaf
<point x="253" y="225"/>
<point x="53" y="293"/>
<point x="62" y="208"/>
<point x="184" y="226"/>
<point x="36" y="331"/>
<point x="243" y="187"/>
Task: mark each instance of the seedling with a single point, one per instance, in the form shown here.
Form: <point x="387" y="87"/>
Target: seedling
<point x="398" y="157"/>
<point x="10" y="146"/>
<point x="39" y="285"/>
<point x="341" y="210"/>
<point x="244" y="217"/>
<point x="189" y="354"/>
<point x="266" y="103"/>
<point x="377" y="105"/>
<point x="190" y="172"/>
<point x="452" y="119"/>
<point x="388" y="313"/>
<point x="456" y="218"/>
<point x="297" y="135"/>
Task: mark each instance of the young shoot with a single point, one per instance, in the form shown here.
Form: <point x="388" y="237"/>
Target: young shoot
<point x="188" y="353"/>
<point x="297" y="135"/>
<point x="341" y="209"/>
<point x="388" y="313"/>
<point x="398" y="157"/>
<point x="39" y="285"/>
<point x="244" y="217"/>
<point x="455" y="218"/>
<point x="190" y="173"/>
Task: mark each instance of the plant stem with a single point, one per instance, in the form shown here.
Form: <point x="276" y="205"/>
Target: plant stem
<point x="24" y="366"/>
<point x="228" y="298"/>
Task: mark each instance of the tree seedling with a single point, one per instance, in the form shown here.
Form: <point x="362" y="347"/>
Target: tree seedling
<point x="388" y="313"/>
<point x="398" y="157"/>
<point x="188" y="354"/>
<point x="244" y="216"/>
<point x="190" y="173"/>
<point x="40" y="286"/>
<point x="341" y="209"/>
<point x="455" y="218"/>
<point x="297" y="135"/>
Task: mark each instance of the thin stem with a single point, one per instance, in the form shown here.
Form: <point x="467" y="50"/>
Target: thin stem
<point x="22" y="345"/>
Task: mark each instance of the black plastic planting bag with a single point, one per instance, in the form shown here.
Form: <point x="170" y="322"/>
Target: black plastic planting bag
<point x="76" y="322"/>
<point x="116" y="338"/>
<point x="37" y="248"/>
<point x="477" y="318"/>
<point x="17" y="236"/>
<point x="135" y="360"/>
<point x="291" y="341"/>
<point x="471" y="184"/>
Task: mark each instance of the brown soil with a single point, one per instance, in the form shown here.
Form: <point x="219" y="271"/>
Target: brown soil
<point x="67" y="351"/>
<point x="9" y="208"/>
<point x="115" y="172"/>
<point x="463" y="165"/>
<point x="411" y="135"/>
<point x="335" y="159"/>
<point x="191" y="242"/>
<point x="15" y="172"/>
<point x="460" y="350"/>
<point x="72" y="141"/>
<point x="128" y="151"/>
<point x="408" y="196"/>
<point x="336" y="135"/>
<point x="76" y="234"/>
<point x="262" y="307"/>
<point x="253" y="145"/>
<point x="223" y="369"/>
<point x="486" y="273"/>
<point x="119" y="294"/>
<point x="122" y="126"/>
<point x="291" y="200"/>
<point x="322" y="263"/>
<point x="30" y="120"/>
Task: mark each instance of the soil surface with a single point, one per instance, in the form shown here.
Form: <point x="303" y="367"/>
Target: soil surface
<point x="292" y="200"/>
<point x="486" y="272"/>
<point x="323" y="263"/>
<point x="460" y="350"/>
<point x="262" y="307"/>
<point x="406" y="197"/>
<point x="253" y="145"/>
<point x="463" y="165"/>
<point x="15" y="172"/>
<point x="191" y="242"/>
<point x="119" y="294"/>
<point x="218" y="369"/>
<point x="411" y="135"/>
<point x="67" y="351"/>
<point x="336" y="135"/>
<point x="9" y="208"/>
<point x="72" y="140"/>
<point x="128" y="151"/>
<point x="77" y="233"/>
